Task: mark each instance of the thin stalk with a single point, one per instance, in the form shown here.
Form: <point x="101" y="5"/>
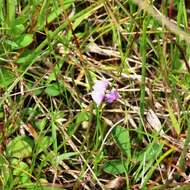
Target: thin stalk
<point x="143" y="71"/>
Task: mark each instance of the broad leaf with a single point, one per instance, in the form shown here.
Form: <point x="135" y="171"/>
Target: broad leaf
<point x="23" y="40"/>
<point x="121" y="136"/>
<point x="20" y="147"/>
<point x="53" y="90"/>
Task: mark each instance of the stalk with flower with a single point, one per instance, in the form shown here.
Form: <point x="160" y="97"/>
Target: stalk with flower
<point x="99" y="93"/>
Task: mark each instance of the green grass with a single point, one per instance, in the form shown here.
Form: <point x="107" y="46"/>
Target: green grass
<point x="53" y="135"/>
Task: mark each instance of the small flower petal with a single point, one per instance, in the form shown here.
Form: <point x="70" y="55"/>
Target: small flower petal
<point x="97" y="97"/>
<point x="98" y="92"/>
<point x="112" y="96"/>
<point x="100" y="85"/>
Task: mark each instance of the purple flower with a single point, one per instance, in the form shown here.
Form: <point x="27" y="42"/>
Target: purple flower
<point x="98" y="92"/>
<point x="112" y="96"/>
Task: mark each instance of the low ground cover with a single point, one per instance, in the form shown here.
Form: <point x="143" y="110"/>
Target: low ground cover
<point x="94" y="94"/>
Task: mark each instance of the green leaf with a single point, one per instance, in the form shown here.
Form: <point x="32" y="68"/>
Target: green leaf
<point x="83" y="116"/>
<point x="151" y="152"/>
<point x="147" y="157"/>
<point x="19" y="29"/>
<point x="40" y="124"/>
<point x="53" y="90"/>
<point x="20" y="147"/>
<point x="24" y="57"/>
<point x="23" y="41"/>
<point x="6" y="77"/>
<point x="42" y="143"/>
<point x="71" y="129"/>
<point x="174" y="121"/>
<point x="115" y="166"/>
<point x="13" y="45"/>
<point x="20" y="171"/>
<point x="121" y="136"/>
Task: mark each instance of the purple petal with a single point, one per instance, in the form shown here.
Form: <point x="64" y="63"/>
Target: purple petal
<point x="112" y="96"/>
<point x="100" y="85"/>
<point x="98" y="92"/>
<point x="97" y="97"/>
